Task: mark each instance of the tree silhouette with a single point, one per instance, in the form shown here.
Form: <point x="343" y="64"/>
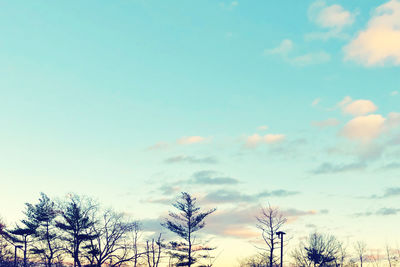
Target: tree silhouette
<point x="361" y="249"/>
<point x="270" y="221"/>
<point x="153" y="251"/>
<point x="185" y="223"/>
<point x="77" y="220"/>
<point x="319" y="250"/>
<point x="43" y="215"/>
<point x="5" y="248"/>
<point x="110" y="243"/>
<point x="23" y="234"/>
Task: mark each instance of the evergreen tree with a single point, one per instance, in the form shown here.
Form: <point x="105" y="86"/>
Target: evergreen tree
<point x="43" y="214"/>
<point x="77" y="220"/>
<point x="185" y="223"/>
<point x="23" y="234"/>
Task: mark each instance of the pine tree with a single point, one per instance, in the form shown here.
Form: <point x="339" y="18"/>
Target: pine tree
<point x="23" y="235"/>
<point x="77" y="221"/>
<point x="43" y="215"/>
<point x="185" y="223"/>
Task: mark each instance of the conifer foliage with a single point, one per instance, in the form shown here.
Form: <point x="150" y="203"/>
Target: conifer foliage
<point x="77" y="221"/>
<point x="188" y="220"/>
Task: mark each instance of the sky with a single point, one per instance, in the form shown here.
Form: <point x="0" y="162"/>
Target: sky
<point x="295" y="104"/>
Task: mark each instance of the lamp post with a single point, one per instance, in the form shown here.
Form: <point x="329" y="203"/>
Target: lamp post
<point x="280" y="234"/>
<point x="15" y="255"/>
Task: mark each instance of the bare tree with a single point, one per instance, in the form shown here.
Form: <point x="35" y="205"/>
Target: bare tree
<point x="258" y="260"/>
<point x="270" y="221"/>
<point x="361" y="248"/>
<point x="110" y="240"/>
<point x="135" y="236"/>
<point x="389" y="256"/>
<point x="341" y="255"/>
<point x="153" y="251"/>
<point x="319" y="250"/>
<point x="5" y="245"/>
<point x="299" y="256"/>
<point x="375" y="257"/>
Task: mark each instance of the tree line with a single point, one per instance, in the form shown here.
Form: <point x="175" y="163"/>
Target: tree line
<point x="77" y="231"/>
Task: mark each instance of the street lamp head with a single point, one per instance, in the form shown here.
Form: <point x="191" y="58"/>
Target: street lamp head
<point x="280" y="233"/>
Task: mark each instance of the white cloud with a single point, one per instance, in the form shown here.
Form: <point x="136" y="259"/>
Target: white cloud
<point x="333" y="16"/>
<point x="364" y="128"/>
<point x="256" y="139"/>
<point x="393" y="93"/>
<point x="379" y="43"/>
<point x="263" y="128"/>
<point x="273" y="138"/>
<point x="188" y="140"/>
<point x="360" y="107"/>
<point x="283" y="49"/>
<point x="158" y="146"/>
<point x="356" y="107"/>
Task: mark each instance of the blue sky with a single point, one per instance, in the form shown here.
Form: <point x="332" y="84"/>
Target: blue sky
<point x="241" y="103"/>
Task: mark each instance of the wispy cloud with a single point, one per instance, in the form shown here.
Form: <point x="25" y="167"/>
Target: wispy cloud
<point x="158" y="146"/>
<point x="380" y="212"/>
<point x="212" y="178"/>
<point x="311" y="58"/>
<point x="329" y="168"/>
<point x="389" y="192"/>
<point x="256" y="139"/>
<point x="315" y="102"/>
<point x="331" y="18"/>
<point x="285" y="48"/>
<point x="331" y="122"/>
<point x="191" y="159"/>
<point x="242" y="221"/>
<point x="262" y="128"/>
<point x="189" y="140"/>
<point x="229" y="5"/>
<point x="234" y="196"/>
